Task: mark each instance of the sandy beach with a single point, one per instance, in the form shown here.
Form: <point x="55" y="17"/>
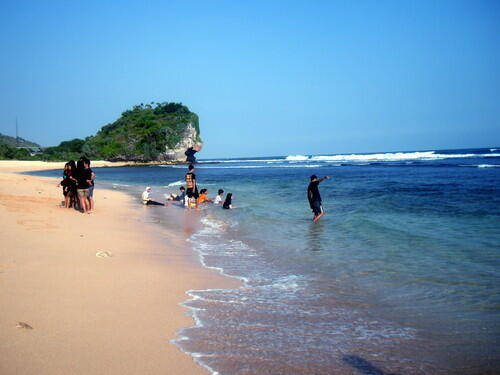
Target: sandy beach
<point x="85" y="313"/>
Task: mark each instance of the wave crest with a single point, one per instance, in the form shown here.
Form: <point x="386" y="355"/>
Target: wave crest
<point x="297" y="158"/>
<point x="388" y="156"/>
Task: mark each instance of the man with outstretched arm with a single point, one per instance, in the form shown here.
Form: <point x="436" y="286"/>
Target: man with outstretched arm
<point x="314" y="197"/>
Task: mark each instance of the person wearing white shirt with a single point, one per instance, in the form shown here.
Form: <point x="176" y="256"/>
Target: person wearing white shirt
<point x="218" y="198"/>
<point x="146" y="198"/>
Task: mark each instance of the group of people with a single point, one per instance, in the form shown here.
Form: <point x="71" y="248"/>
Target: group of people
<point x="78" y="191"/>
<point x="190" y="196"/>
<point x="78" y="185"/>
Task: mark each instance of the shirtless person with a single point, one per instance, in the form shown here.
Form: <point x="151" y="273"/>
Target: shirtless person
<point x="315" y="198"/>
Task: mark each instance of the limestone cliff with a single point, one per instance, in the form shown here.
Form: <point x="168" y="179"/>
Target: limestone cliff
<point x="151" y="132"/>
<point x="189" y="138"/>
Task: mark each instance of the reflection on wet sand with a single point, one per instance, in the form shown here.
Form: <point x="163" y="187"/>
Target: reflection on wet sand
<point x="315" y="236"/>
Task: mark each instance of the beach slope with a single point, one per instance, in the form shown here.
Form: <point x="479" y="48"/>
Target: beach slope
<point x="89" y="294"/>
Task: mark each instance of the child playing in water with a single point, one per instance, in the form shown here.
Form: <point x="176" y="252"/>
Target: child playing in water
<point x="228" y="202"/>
<point x="203" y="197"/>
<point x="218" y="198"/>
<point x="178" y="198"/>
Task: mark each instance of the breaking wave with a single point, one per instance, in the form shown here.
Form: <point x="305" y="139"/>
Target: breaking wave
<point x="389" y="156"/>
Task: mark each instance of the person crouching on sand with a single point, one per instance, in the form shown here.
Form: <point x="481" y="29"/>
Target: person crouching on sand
<point x="315" y="198"/>
<point x="146" y="198"/>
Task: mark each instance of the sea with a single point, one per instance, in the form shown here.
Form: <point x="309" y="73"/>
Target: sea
<point x="401" y="275"/>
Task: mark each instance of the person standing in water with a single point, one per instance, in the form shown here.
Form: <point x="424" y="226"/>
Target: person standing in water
<point x="190" y="158"/>
<point x="191" y="187"/>
<point x="314" y="197"/>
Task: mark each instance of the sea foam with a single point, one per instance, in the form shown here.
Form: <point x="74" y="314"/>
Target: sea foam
<point x="388" y="156"/>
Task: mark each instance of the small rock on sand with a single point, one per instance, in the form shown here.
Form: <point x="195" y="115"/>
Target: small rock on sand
<point x="23" y="325"/>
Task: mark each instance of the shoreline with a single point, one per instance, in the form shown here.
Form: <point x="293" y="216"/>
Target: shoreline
<point x="114" y="314"/>
<point x="43" y="165"/>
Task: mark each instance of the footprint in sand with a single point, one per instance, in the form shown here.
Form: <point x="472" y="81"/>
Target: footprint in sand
<point x="103" y="254"/>
<point x="23" y="325"/>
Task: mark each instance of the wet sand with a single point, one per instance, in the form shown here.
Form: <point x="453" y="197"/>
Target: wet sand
<point x="98" y="293"/>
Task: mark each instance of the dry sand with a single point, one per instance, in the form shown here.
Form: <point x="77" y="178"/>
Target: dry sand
<point x="90" y="314"/>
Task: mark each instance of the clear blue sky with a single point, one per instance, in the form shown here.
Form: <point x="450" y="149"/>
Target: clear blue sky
<point x="265" y="77"/>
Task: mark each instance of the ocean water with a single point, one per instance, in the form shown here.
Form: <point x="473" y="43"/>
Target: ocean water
<point x="401" y="276"/>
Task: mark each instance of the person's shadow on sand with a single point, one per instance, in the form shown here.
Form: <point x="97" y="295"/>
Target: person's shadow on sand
<point x="363" y="366"/>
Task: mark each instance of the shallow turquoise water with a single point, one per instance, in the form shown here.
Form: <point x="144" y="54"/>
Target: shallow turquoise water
<point x="400" y="276"/>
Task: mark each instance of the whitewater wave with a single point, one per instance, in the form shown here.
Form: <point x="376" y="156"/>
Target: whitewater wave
<point x="176" y="183"/>
<point x="241" y="161"/>
<point x="488" y="165"/>
<point x="389" y="156"/>
<point x="265" y="166"/>
<point x="297" y="158"/>
<point x="357" y="158"/>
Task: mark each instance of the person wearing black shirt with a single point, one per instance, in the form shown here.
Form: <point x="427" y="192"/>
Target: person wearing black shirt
<point x="75" y="202"/>
<point x="314" y="197"/>
<point x="190" y="158"/>
<point x="66" y="184"/>
<point x="228" y="203"/>
<point x="83" y="181"/>
<point x="91" y="187"/>
<point x="191" y="186"/>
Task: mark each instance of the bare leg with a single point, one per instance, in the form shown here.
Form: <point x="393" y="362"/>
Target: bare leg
<point x="84" y="204"/>
<point x="75" y="201"/>
<point x="317" y="217"/>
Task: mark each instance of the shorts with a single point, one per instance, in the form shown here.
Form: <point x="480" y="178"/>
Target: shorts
<point x="192" y="194"/>
<point x="83" y="193"/>
<point x="317" y="208"/>
<point x="69" y="191"/>
<point x="91" y="191"/>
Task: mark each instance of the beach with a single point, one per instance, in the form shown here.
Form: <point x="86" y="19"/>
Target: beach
<point x="400" y="276"/>
<point x="98" y="293"/>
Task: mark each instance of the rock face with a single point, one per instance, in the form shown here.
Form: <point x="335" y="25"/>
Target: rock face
<point x="146" y="133"/>
<point x="190" y="138"/>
